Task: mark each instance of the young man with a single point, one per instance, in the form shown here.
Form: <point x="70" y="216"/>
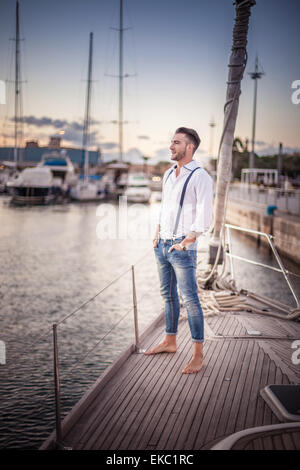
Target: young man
<point x="186" y="212"/>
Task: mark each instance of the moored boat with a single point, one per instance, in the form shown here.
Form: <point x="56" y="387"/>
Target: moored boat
<point x="32" y="186"/>
<point x="138" y="188"/>
<point x="48" y="182"/>
<point x="62" y="169"/>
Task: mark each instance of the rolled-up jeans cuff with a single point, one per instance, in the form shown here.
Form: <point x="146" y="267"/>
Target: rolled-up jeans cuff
<point x="198" y="340"/>
<point x="171" y="334"/>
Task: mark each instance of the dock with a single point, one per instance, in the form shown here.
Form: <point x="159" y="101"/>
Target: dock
<point x="146" y="403"/>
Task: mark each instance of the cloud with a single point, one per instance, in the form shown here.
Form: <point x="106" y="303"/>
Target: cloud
<point x="271" y="149"/>
<point x="56" y="123"/>
<point x="43" y="121"/>
<point x="73" y="130"/>
<point x="109" y="145"/>
<point x="162" y="154"/>
<point x="75" y="137"/>
<point x="144" y="137"/>
<point x="133" y="155"/>
<point x="260" y="143"/>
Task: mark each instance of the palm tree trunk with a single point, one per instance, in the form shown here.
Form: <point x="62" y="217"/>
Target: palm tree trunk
<point x="236" y="66"/>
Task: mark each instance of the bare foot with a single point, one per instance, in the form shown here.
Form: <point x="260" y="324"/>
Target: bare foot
<point x="165" y="346"/>
<point x="194" y="366"/>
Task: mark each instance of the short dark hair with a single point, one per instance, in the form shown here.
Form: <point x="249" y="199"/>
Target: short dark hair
<point x="191" y="134"/>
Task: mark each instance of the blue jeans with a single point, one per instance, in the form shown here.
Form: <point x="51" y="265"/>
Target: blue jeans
<point x="179" y="268"/>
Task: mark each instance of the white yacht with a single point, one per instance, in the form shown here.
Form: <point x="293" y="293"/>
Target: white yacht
<point x="89" y="189"/>
<point x="62" y="169"/>
<point x="32" y="186"/>
<point x="8" y="171"/>
<point x="49" y="180"/>
<point x="138" y="188"/>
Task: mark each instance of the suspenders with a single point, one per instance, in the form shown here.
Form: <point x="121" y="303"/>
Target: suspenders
<point x="182" y="197"/>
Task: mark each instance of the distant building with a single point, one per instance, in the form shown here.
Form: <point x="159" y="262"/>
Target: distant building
<point x="32" y="144"/>
<point x="54" y="142"/>
<point x="32" y="154"/>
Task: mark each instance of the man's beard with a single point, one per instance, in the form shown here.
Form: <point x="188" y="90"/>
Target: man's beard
<point x="178" y="156"/>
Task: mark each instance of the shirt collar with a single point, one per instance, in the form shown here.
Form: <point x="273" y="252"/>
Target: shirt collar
<point x="189" y="166"/>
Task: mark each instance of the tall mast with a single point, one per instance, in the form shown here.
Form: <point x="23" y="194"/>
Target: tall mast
<point x="17" y="82"/>
<point x="121" y="81"/>
<point x="255" y="76"/>
<point x="87" y="112"/>
<point x="237" y="64"/>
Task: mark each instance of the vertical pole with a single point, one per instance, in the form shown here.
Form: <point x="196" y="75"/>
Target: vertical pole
<point x="279" y="164"/>
<point x="230" y="251"/>
<point x="57" y="389"/>
<point x="136" y="326"/>
<point x="85" y="151"/>
<point x="283" y="270"/>
<point x="286" y="201"/>
<point x="253" y="123"/>
<point x="121" y="82"/>
<point x="17" y="81"/>
<point x="255" y="76"/>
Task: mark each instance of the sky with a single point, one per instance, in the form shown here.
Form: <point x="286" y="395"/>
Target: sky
<point x="176" y="56"/>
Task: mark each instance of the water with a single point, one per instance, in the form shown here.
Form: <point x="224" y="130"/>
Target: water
<point x="52" y="261"/>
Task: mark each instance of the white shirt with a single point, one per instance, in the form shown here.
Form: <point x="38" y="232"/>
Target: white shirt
<point x="197" y="210"/>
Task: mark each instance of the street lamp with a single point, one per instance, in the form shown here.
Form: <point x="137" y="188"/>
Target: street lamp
<point x="255" y="76"/>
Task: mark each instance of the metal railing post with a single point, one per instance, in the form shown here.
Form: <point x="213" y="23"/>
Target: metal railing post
<point x="230" y="250"/>
<point x="283" y="270"/>
<point x="135" y="313"/>
<point x="57" y="390"/>
<point x="272" y="249"/>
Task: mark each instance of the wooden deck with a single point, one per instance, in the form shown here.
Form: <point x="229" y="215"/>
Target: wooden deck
<point x="279" y="439"/>
<point x="144" y="402"/>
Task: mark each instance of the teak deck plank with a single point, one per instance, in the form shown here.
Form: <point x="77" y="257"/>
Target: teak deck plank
<point x="193" y="385"/>
<point x="102" y="404"/>
<point x="217" y="403"/>
<point x="145" y="392"/>
<point x="187" y="415"/>
<point x="205" y="402"/>
<point x="149" y="404"/>
<point x="235" y="394"/>
<point x="185" y="411"/>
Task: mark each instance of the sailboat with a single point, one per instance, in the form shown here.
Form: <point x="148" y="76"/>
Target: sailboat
<point x="9" y="170"/>
<point x="87" y="189"/>
<point x="115" y="180"/>
<point x="32" y="185"/>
